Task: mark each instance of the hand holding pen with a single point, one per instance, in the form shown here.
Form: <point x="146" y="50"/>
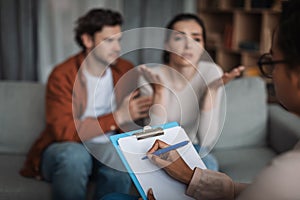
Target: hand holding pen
<point x="170" y="161"/>
<point x="168" y="148"/>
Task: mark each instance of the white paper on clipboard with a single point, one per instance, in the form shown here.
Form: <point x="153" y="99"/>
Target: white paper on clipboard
<point x="151" y="176"/>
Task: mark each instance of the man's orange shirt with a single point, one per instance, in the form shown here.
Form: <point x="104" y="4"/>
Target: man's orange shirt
<point x="66" y="99"/>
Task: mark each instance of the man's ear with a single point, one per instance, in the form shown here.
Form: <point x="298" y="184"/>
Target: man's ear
<point x="87" y="41"/>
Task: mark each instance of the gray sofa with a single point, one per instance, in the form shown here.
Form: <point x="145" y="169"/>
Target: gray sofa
<point x="254" y="132"/>
<point x="241" y="151"/>
<point x="22" y="118"/>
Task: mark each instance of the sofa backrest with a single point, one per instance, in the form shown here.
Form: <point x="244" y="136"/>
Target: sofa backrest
<point x="246" y="114"/>
<point x="22" y="115"/>
<point x="284" y="129"/>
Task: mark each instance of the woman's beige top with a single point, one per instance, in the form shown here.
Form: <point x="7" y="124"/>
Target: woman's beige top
<point x="183" y="105"/>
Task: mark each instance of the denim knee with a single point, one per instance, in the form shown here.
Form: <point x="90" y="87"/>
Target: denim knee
<point x="111" y="180"/>
<point x="67" y="158"/>
<point x="117" y="196"/>
<point x="72" y="154"/>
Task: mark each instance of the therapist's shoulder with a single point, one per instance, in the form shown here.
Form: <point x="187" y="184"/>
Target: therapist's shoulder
<point x="279" y="180"/>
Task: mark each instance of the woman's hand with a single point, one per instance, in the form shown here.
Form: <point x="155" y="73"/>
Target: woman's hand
<point x="226" y="78"/>
<point x="159" y="93"/>
<point x="154" y="79"/>
<point x="212" y="89"/>
<point x="171" y="162"/>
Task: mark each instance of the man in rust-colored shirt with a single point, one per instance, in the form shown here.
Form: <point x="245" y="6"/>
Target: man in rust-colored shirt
<point x="89" y="97"/>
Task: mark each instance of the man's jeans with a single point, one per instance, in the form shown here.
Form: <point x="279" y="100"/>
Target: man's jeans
<point x="68" y="166"/>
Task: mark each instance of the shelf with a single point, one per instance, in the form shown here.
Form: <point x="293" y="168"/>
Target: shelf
<point x="245" y="5"/>
<point x="237" y="33"/>
<point x="227" y="60"/>
<point x="216" y="10"/>
<point x="235" y="10"/>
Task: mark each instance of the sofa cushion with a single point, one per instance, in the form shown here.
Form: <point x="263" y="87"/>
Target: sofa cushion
<point x="14" y="186"/>
<point x="284" y="129"/>
<point x="22" y="115"/>
<point x="246" y="114"/>
<point x="243" y="164"/>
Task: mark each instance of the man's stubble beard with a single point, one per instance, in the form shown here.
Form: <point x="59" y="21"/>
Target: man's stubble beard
<point x="100" y="60"/>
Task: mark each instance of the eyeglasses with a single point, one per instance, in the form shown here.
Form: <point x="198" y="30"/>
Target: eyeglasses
<point x="266" y="64"/>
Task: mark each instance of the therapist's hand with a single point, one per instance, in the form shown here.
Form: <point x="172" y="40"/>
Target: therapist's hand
<point x="150" y="195"/>
<point x="171" y="162"/>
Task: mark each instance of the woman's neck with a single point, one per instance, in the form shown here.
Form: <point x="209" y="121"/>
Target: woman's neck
<point x="187" y="71"/>
<point x="180" y="75"/>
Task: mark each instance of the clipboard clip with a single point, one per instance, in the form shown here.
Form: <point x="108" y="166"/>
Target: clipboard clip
<point x="149" y="132"/>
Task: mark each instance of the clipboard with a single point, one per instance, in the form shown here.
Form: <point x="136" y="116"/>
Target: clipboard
<point x="132" y="147"/>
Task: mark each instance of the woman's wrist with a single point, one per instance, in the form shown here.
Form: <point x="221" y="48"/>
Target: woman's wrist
<point x="209" y="100"/>
<point x="159" y="96"/>
<point x="158" y="90"/>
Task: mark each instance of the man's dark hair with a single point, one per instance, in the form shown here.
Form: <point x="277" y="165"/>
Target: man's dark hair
<point x="289" y="31"/>
<point x="94" y="21"/>
<point x="178" y="18"/>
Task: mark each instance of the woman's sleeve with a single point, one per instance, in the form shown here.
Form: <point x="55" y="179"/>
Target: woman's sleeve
<point x="210" y="119"/>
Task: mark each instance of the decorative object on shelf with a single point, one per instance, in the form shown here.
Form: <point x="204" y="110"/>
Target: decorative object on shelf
<point x="262" y="3"/>
<point x="249" y="45"/>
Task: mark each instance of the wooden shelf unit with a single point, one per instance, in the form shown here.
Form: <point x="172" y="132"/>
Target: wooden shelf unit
<point x="239" y="31"/>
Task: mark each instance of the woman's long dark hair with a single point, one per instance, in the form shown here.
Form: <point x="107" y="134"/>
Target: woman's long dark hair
<point x="177" y="18"/>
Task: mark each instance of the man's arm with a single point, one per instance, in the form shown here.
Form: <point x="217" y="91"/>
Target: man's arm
<point x="64" y="109"/>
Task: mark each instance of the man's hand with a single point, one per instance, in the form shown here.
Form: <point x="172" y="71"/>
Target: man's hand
<point x="171" y="162"/>
<point x="133" y="108"/>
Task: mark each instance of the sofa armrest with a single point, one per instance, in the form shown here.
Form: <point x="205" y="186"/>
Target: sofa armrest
<point x="283" y="129"/>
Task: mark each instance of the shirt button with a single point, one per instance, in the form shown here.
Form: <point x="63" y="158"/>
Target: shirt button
<point x="112" y="127"/>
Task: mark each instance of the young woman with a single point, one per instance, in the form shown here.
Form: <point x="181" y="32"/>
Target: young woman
<point x="186" y="88"/>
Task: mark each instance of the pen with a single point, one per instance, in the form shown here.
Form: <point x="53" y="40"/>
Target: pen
<point x="169" y="148"/>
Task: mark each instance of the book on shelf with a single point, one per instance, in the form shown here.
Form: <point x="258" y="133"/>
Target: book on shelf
<point x="228" y="36"/>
